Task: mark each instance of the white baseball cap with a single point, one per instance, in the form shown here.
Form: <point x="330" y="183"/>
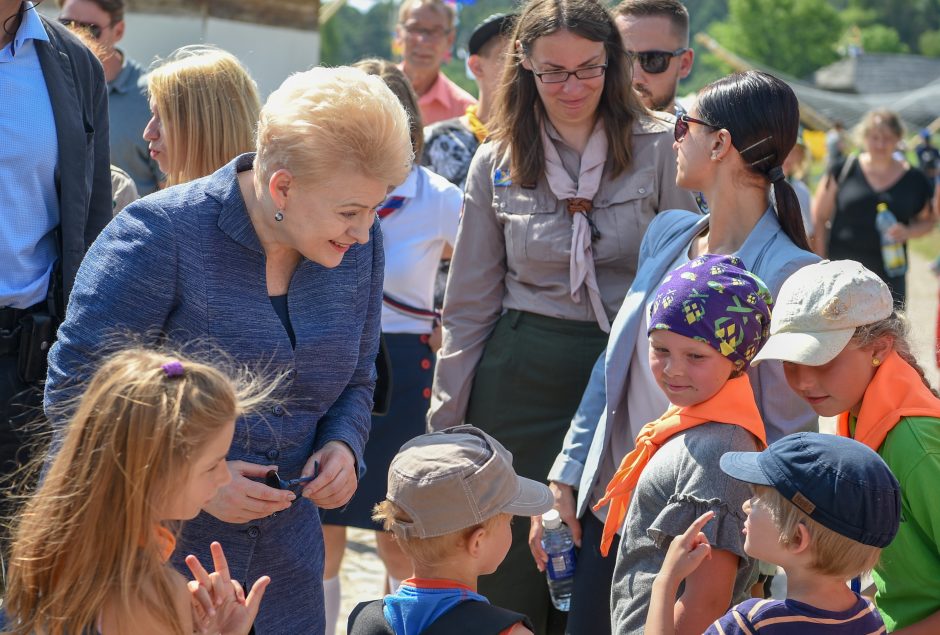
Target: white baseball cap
<point x="818" y="309"/>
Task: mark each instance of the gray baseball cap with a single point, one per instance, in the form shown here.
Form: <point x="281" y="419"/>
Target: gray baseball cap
<point x="457" y="478"/>
<point x="818" y="309"/>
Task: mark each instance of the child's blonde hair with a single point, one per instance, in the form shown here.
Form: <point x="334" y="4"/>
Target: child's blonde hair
<point x="426" y="551"/>
<point x="833" y="553"/>
<point x="209" y="106"/>
<point x="86" y="539"/>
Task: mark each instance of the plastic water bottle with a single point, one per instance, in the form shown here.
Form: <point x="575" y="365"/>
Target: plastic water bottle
<point x="892" y="253"/>
<point x="557" y="542"/>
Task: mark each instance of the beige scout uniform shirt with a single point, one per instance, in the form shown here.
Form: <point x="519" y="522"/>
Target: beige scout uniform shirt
<point x="513" y="248"/>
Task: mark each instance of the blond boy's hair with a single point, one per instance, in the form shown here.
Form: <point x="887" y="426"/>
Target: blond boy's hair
<point x="833" y="553"/>
<point x="426" y="551"/>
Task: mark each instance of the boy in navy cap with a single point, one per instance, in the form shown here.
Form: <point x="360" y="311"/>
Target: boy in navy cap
<point x="823" y="508"/>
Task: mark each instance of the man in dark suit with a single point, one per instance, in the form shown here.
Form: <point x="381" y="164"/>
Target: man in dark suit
<point x="55" y="196"/>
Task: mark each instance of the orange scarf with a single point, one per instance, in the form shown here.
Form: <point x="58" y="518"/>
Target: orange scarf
<point x="166" y="541"/>
<point x="896" y="391"/>
<point x="734" y="404"/>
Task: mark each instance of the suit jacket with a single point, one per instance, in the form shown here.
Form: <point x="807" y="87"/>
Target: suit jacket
<point x="79" y="96"/>
<point x="185" y="265"/>
<point x="767" y="252"/>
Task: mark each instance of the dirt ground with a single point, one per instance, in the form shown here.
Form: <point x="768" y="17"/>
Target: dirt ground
<point x="362" y="572"/>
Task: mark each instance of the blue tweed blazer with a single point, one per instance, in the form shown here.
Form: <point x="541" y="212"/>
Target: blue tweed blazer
<point x="186" y="263"/>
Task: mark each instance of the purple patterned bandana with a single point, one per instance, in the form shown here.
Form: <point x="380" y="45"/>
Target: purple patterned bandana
<point x="713" y="299"/>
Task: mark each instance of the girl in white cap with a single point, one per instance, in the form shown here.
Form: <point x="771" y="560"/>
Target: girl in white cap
<point x="845" y="351"/>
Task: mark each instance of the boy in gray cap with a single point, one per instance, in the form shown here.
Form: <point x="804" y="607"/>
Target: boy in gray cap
<point x="451" y="497"/>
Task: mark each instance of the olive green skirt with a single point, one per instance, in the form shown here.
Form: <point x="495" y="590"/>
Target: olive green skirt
<point x="527" y="388"/>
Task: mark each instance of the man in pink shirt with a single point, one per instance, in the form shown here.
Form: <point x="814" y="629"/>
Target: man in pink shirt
<point x="426" y="34"/>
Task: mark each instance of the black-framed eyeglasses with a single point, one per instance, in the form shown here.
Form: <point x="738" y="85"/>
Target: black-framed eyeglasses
<point x="655" y="62"/>
<point x="682" y="126"/>
<point x="558" y="77"/>
<point x="94" y="30"/>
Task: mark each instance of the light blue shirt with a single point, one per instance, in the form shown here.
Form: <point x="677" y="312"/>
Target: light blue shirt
<point x="29" y="207"/>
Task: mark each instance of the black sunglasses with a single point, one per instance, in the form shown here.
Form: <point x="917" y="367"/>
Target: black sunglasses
<point x="655" y="62"/>
<point x="682" y="126"/>
<point x="94" y="30"/>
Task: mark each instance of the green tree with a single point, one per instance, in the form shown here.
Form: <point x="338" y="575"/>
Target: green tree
<point x="929" y="43"/>
<point x="792" y="36"/>
<point x="879" y="38"/>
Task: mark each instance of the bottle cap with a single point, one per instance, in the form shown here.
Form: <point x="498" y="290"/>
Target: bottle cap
<point x="551" y="519"/>
<point x="881" y="207"/>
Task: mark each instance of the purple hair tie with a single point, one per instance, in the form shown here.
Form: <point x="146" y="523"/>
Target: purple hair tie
<point x="173" y="369"/>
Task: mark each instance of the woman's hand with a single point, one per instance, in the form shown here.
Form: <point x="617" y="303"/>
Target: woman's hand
<point x="243" y="499"/>
<point x="687" y="552"/>
<point x="219" y="604"/>
<point x="899" y="233"/>
<point x="565" y="504"/>
<point x="337" y="480"/>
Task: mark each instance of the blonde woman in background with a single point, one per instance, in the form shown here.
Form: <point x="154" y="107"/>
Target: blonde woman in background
<point x="205" y="109"/>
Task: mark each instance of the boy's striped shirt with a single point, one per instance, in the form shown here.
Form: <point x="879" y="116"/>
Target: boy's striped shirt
<point x="789" y="617"/>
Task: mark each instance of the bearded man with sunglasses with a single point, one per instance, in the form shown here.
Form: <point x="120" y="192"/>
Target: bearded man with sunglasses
<point x="103" y="21"/>
<point x="656" y="36"/>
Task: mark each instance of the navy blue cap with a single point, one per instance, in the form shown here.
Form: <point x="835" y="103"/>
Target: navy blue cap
<point x="838" y="482"/>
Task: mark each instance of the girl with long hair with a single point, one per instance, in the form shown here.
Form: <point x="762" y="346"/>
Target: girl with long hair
<point x="145" y="449"/>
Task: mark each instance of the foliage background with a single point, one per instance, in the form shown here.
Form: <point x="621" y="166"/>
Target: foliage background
<point x="793" y="37"/>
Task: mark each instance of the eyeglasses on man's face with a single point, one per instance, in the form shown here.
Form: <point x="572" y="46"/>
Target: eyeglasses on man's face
<point x="416" y="31"/>
<point x="655" y="62"/>
<point x="94" y="30"/>
<point x="682" y="126"/>
<point x="558" y="77"/>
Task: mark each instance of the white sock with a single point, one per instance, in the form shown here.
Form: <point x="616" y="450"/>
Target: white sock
<point x="393" y="584"/>
<point x="331" y="601"/>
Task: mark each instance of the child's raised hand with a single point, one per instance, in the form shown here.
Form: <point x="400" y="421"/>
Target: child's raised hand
<point x="687" y="551"/>
<point x="219" y="603"/>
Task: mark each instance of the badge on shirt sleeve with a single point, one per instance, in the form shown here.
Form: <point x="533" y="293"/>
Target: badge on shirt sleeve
<point x="501" y="178"/>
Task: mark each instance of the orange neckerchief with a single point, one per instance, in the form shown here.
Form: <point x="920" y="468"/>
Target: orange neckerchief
<point x="477" y="127"/>
<point x="896" y="391"/>
<point x="734" y="404"/>
<point x="166" y="542"/>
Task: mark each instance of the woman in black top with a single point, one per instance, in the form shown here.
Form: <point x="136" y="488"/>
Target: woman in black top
<point x="846" y="201"/>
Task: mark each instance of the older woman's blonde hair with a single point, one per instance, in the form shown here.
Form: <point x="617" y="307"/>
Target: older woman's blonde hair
<point x="398" y="83"/>
<point x="328" y="120"/>
<point x="209" y="107"/>
<point x="878" y="118"/>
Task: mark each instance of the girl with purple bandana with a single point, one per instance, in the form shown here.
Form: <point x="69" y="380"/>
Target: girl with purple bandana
<point x="708" y="320"/>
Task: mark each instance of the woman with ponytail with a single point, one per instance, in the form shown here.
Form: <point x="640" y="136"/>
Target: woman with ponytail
<point x="845" y="351"/>
<point x="731" y="146"/>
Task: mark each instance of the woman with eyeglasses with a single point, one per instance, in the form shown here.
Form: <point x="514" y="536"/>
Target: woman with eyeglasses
<point x="555" y="207"/>
<point x="731" y="146"/>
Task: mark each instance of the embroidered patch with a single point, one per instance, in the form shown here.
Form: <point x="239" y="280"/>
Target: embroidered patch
<point x="501" y="178"/>
<point x="834" y="309"/>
